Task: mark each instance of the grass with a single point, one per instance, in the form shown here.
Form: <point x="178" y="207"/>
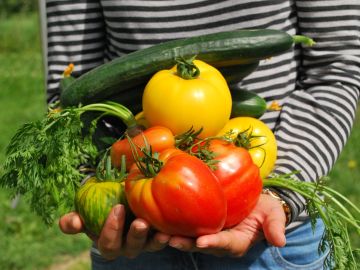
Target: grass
<point x="25" y="242"/>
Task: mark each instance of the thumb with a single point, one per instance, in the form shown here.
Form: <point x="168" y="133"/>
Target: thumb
<point x="71" y="223"/>
<point x="274" y="225"/>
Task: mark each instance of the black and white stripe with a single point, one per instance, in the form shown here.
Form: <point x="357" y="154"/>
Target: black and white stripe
<point x="318" y="87"/>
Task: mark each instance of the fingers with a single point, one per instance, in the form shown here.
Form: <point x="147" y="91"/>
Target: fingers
<point x="109" y="243"/>
<point x="220" y="244"/>
<point x="136" y="238"/>
<point x="183" y="243"/>
<point x="230" y="242"/>
<point x="157" y="242"/>
<point x="71" y="223"/>
<point x="274" y="226"/>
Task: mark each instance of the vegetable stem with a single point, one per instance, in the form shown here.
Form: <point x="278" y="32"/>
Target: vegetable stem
<point x="186" y="69"/>
<point x="299" y="39"/>
<point x="114" y="109"/>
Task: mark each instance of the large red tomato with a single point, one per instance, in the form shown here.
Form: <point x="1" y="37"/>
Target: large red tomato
<point x="183" y="198"/>
<point x="238" y="176"/>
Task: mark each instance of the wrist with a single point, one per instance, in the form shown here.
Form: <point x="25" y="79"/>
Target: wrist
<point x="284" y="205"/>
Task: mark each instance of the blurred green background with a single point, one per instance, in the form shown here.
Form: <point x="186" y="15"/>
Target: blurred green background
<point x="25" y="242"/>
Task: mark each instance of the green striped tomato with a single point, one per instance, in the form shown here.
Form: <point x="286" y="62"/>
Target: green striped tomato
<point x="94" y="200"/>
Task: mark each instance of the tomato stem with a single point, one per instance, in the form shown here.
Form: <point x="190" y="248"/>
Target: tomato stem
<point x="303" y="40"/>
<point x="185" y="140"/>
<point x="149" y="164"/>
<point x="68" y="70"/>
<point x="186" y="69"/>
<point x="246" y="139"/>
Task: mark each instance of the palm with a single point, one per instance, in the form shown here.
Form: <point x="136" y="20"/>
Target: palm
<point x="267" y="219"/>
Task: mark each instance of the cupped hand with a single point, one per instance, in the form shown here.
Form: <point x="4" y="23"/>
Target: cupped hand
<point x="112" y="242"/>
<point x="266" y="220"/>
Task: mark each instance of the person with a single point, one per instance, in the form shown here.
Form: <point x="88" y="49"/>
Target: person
<point x="317" y="88"/>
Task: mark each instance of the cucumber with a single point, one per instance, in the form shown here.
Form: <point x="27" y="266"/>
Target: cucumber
<point x="247" y="103"/>
<point x="65" y="82"/>
<point x="218" y="49"/>
<point x="235" y="74"/>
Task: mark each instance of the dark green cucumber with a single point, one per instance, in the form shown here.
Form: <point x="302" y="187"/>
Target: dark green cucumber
<point x="65" y="82"/>
<point x="247" y="103"/>
<point x="218" y="49"/>
<point x="235" y="74"/>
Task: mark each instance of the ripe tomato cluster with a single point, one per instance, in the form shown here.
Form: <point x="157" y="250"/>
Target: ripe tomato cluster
<point x="195" y="181"/>
<point x="209" y="185"/>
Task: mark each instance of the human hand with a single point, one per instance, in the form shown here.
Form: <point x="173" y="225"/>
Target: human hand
<point x="266" y="220"/>
<point x="112" y="242"/>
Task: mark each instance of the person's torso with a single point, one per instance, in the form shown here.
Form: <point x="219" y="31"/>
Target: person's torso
<point x="133" y="25"/>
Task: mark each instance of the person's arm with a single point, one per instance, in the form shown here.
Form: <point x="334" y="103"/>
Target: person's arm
<point x="75" y="34"/>
<point x="316" y="119"/>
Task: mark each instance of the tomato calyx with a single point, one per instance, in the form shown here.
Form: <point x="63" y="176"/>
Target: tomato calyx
<point x="149" y="163"/>
<point x="186" y="140"/>
<point x="201" y="150"/>
<point x="186" y="68"/>
<point x="246" y="139"/>
<point x="106" y="172"/>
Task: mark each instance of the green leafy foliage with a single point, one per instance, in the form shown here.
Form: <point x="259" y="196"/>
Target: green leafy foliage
<point x="44" y="158"/>
<point x="43" y="161"/>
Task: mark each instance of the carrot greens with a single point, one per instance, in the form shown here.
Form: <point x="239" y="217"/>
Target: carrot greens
<point x="45" y="159"/>
<point x="335" y="210"/>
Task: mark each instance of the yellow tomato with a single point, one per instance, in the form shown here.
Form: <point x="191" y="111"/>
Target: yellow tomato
<point x="262" y="143"/>
<point x="179" y="104"/>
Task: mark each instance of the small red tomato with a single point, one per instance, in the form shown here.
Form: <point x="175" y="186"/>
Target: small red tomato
<point x="159" y="138"/>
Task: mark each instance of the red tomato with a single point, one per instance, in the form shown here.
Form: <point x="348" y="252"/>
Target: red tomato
<point x="184" y="198"/>
<point x="239" y="177"/>
<point x="159" y="138"/>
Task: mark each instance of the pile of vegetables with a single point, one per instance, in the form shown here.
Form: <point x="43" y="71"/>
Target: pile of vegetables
<point x="195" y="164"/>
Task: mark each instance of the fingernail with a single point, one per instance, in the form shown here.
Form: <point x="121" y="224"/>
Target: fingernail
<point x="140" y="225"/>
<point x="117" y="211"/>
<point x="163" y="240"/>
<point x="201" y="244"/>
<point x="75" y="222"/>
<point x="140" y="228"/>
<point x="176" y="245"/>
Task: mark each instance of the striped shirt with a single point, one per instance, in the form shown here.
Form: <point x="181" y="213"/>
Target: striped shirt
<point x="317" y="87"/>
